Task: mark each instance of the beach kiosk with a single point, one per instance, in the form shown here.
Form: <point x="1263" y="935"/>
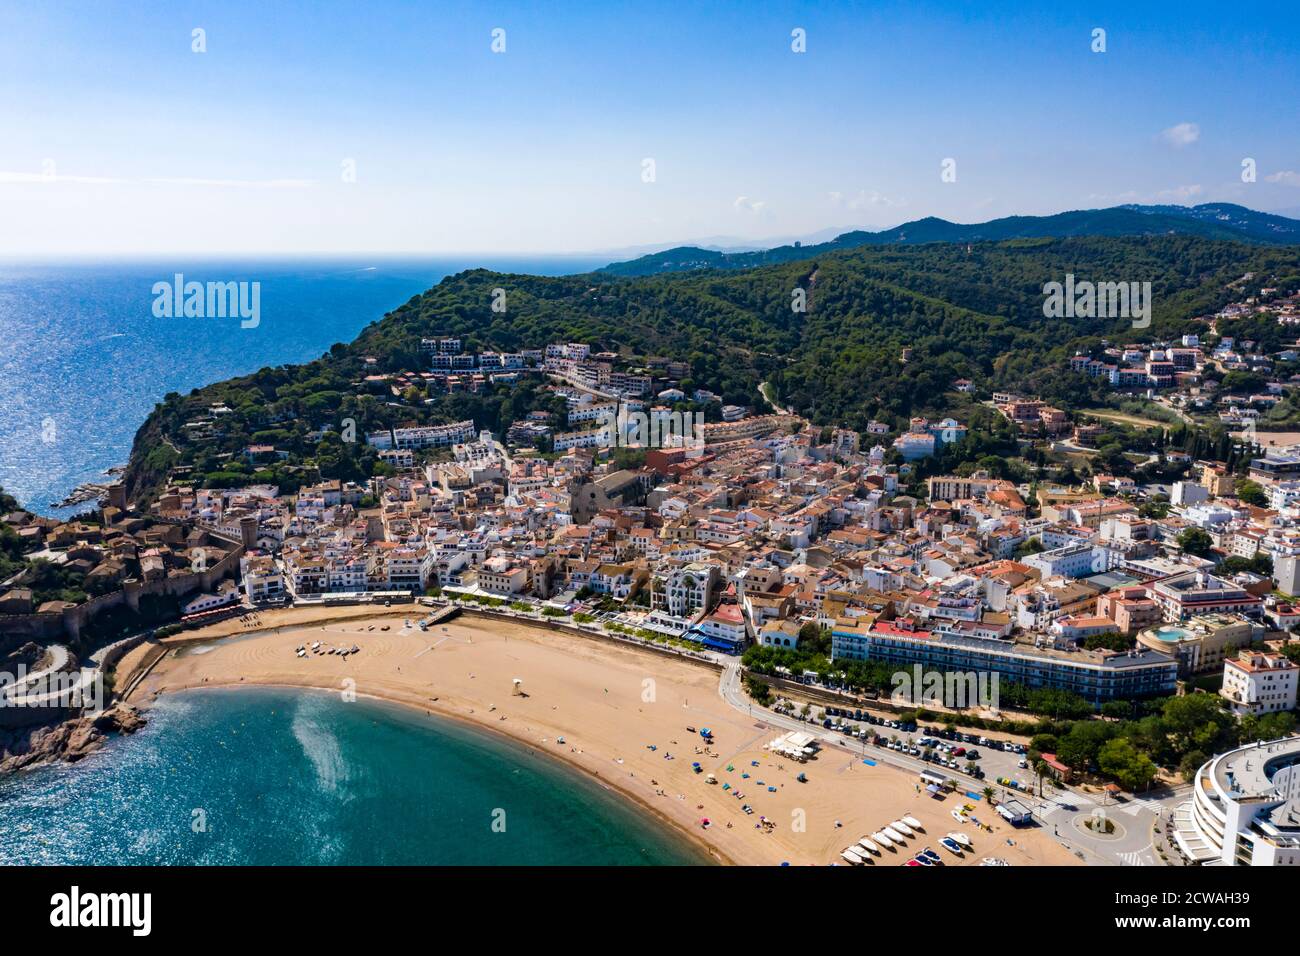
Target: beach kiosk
<point x="1015" y="812"/>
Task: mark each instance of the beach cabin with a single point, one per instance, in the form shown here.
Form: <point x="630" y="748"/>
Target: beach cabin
<point x="1015" y="813"/>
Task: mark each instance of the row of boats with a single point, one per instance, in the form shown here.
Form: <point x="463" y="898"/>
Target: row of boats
<point x="896" y="835"/>
<point x="316" y="648"/>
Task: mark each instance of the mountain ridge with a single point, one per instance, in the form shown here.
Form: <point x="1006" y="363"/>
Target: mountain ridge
<point x="1223" y="221"/>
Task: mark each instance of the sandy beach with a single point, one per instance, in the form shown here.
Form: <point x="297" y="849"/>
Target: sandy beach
<point x="623" y="714"/>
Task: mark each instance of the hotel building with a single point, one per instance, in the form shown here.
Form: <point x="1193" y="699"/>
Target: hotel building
<point x="1257" y="683"/>
<point x="1201" y="643"/>
<point x="1198" y="592"/>
<point x="1245" y="808"/>
<point x="1098" y="676"/>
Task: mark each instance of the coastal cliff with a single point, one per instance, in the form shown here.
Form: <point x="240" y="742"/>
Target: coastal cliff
<point x="68" y="741"/>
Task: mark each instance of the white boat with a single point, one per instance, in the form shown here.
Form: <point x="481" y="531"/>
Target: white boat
<point x="861" y="850"/>
<point x="894" y="835"/>
<point x="914" y="823"/>
<point x="882" y="840"/>
<point x="961" y="838"/>
<point x="851" y="858"/>
<point x="902" y="828"/>
<point x="957" y="815"/>
<point x="870" y="847"/>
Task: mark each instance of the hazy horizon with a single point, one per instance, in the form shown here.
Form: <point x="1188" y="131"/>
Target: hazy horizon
<point x="181" y="129"/>
<point x="718" y="243"/>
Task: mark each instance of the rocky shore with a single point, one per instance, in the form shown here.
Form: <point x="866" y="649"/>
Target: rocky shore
<point x="70" y="740"/>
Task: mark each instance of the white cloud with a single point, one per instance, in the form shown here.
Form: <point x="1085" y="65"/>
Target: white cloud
<point x="1181" y="192"/>
<point x="1129" y="195"/>
<point x="745" y="204"/>
<point x="53" y="177"/>
<point x="1287" y="177"/>
<point x="238" y="183"/>
<point x="21" y="178"/>
<point x="864" y="200"/>
<point x="1184" y="134"/>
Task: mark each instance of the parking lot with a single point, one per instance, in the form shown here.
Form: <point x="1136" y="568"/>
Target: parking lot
<point x="970" y="755"/>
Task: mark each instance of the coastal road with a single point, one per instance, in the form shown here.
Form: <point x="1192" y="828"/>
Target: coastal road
<point x="59" y="660"/>
<point x="68" y="690"/>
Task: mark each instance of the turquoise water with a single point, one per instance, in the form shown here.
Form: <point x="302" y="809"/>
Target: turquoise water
<point x="279" y="776"/>
<point x="1172" y="634"/>
<point x="83" y="360"/>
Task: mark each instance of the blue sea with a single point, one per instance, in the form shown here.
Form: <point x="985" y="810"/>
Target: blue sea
<point x="270" y="776"/>
<point x="83" y="360"/>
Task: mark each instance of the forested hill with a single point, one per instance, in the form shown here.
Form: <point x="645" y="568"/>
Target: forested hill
<point x="973" y="313"/>
<point x="1209" y="221"/>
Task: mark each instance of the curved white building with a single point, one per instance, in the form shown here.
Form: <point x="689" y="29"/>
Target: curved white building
<point x="1245" y="808"/>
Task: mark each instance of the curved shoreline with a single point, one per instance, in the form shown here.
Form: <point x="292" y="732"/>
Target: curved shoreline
<point x="139" y="668"/>
<point x="514" y="740"/>
<point x="625" y="716"/>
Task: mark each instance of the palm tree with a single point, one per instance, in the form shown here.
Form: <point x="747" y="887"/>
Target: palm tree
<point x="988" y="795"/>
<point x="1041" y="770"/>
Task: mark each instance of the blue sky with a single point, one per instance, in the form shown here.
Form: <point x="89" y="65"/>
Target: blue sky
<point x="116" y="138"/>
